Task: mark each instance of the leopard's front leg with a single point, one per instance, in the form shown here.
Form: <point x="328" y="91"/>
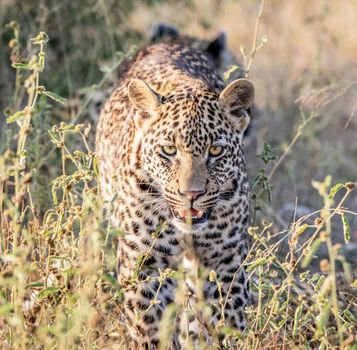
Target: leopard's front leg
<point x="229" y="293"/>
<point x="148" y="288"/>
<point x="228" y="289"/>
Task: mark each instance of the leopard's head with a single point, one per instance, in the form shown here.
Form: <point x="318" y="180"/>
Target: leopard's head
<point x="191" y="147"/>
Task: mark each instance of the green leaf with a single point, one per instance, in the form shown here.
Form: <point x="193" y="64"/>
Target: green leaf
<point x="346" y="228"/>
<point x="297" y="316"/>
<point x="256" y="263"/>
<point x="110" y="279"/>
<point x="6" y="309"/>
<point x="116" y="232"/>
<point x="320" y="281"/>
<point x="301" y="229"/>
<point x="34" y="284"/>
<point x="54" y="136"/>
<point x="231" y="69"/>
<point x="67" y="127"/>
<point x="21" y="66"/>
<point x="95" y="166"/>
<point x="79" y="154"/>
<point x="322" y="320"/>
<point x="346" y="268"/>
<point x="313" y="248"/>
<point x="350" y="316"/>
<point x="48" y="292"/>
<point x="54" y="196"/>
<point x="105" y="69"/>
<point x="54" y="96"/>
<point x="41" y="38"/>
<point x="15" y="117"/>
<point x="334" y="190"/>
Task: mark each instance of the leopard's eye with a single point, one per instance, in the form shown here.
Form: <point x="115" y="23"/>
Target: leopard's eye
<point x="169" y="150"/>
<point x="215" y="151"/>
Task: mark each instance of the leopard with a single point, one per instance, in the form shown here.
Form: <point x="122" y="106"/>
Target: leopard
<point x="169" y="148"/>
<point x="215" y="49"/>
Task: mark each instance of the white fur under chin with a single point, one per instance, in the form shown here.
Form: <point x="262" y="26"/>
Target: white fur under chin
<point x="187" y="228"/>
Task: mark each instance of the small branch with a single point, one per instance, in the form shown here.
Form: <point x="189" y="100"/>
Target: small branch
<point x="255" y="46"/>
<point x="292" y="143"/>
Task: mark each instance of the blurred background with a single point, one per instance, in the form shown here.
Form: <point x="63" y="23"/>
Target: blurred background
<point x="304" y="73"/>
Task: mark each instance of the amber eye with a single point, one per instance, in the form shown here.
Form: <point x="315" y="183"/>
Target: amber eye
<point x="215" y="151"/>
<point x="169" y="150"/>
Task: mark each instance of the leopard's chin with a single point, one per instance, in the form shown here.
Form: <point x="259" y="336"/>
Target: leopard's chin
<point x="189" y="228"/>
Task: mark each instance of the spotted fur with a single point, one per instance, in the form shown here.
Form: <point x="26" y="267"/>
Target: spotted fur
<point x="169" y="96"/>
<point x="216" y="51"/>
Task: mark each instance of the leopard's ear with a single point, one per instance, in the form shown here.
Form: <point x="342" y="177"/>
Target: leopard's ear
<point x="145" y="101"/>
<point x="163" y="31"/>
<point x="216" y="48"/>
<point x="236" y="99"/>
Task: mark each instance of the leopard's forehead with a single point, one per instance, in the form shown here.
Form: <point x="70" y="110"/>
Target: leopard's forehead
<point x="193" y="121"/>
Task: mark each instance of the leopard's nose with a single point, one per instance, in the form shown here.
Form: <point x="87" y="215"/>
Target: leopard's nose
<point x="192" y="195"/>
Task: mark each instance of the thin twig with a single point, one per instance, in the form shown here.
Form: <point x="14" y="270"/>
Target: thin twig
<point x="255" y="46"/>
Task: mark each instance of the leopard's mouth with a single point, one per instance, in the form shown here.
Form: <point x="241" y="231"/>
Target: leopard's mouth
<point x="190" y="216"/>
